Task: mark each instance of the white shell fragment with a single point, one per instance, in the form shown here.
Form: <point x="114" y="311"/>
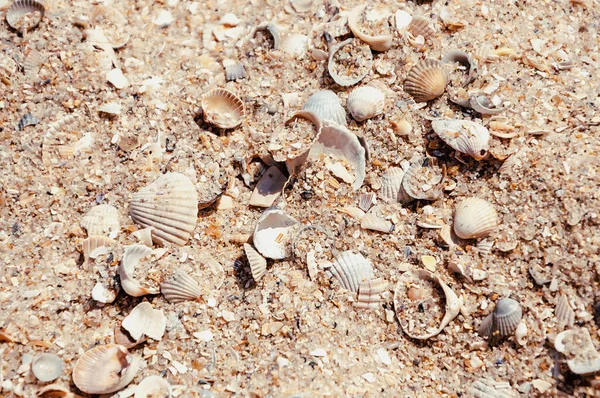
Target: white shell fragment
<point x="295" y="45"/>
<point x="180" y="287"/>
<point x="258" y="264"/>
<point x="145" y="320"/>
<point x="349" y="62"/>
<point x="153" y="386"/>
<point x="365" y="102"/>
<point x="488" y="388"/>
<point x="503" y="321"/>
<point x="273" y="234"/>
<point x="521" y="333"/>
<point x="369" y="294"/>
<point x="24" y="15"/>
<point x="102" y="220"/>
<point x="223" y="108"/>
<point x="465" y="60"/>
<point x="351" y="269"/>
<point x="578" y="347"/>
<point x="117" y="78"/>
<point x="474" y="218"/>
<point x="103" y="294"/>
<point x="327" y="106"/>
<point x="96" y="245"/>
<point x="375" y="222"/>
<point x="132" y="256"/>
<point x="564" y="313"/>
<point x="269" y="187"/>
<point x="464" y="136"/>
<point x="356" y="21"/>
<point x="47" y="367"/>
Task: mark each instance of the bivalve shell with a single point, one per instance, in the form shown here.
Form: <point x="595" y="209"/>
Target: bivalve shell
<point x="488" y="388"/>
<point x="258" y="264"/>
<point x="564" y="313"/>
<point x="269" y="187"/>
<point x="327" y="106"/>
<point x="365" y="102"/>
<point x="271" y="30"/>
<point x="112" y="24"/>
<point x="223" y="108"/>
<point x="153" y="386"/>
<point x="349" y="62"/>
<point x="235" y="71"/>
<point x="351" y="269"/>
<point x="424" y="179"/>
<point x="474" y="218"/>
<point x="24" y="15"/>
<point x="369" y="294"/>
<point x="292" y="141"/>
<point x="96" y="245"/>
<point x="131" y="258"/>
<point x="180" y="287"/>
<point x="426" y="81"/>
<point x="145" y="320"/>
<point x="375" y="222"/>
<point x="391" y="184"/>
<point x="273" y="234"/>
<point x="578" y="348"/>
<point x="102" y="220"/>
<point x="503" y="321"/>
<point x="47" y="367"/>
<point x="421" y="26"/>
<point x="357" y="22"/>
<point x="464" y="136"/>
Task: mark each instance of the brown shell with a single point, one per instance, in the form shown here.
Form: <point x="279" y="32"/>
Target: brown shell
<point x="426" y="81"/>
<point x="223" y="108"/>
<point x="421" y="26"/>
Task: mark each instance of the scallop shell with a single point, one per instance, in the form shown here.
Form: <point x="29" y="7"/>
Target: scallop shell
<point x="354" y="50"/>
<point x="47" y="367"/>
<point x="464" y="59"/>
<point x="426" y="81"/>
<point x="19" y="9"/>
<point x="102" y="220"/>
<point x="474" y="218"/>
<point x="424" y="179"/>
<point x="105" y="369"/>
<point x="295" y="45"/>
<point x="365" y="102"/>
<point x="153" y="386"/>
<point x="273" y="234"/>
<point x="327" y="106"/>
<point x="464" y="136"/>
<point x="223" y="108"/>
<point x="503" y="321"/>
<point x="391" y="183"/>
<point x="369" y="294"/>
<point x="578" y="347"/>
<point x="351" y="269"/>
<point x="235" y="71"/>
<point x="133" y="254"/>
<point x="421" y="26"/>
<point x="27" y="120"/>
<point x="170" y="206"/>
<point x="145" y="320"/>
<point x="269" y="188"/>
<point x="272" y="30"/>
<point x="258" y="264"/>
<point x="564" y="313"/>
<point x="180" y="287"/>
<point x="90" y="245"/>
<point x="377" y="43"/>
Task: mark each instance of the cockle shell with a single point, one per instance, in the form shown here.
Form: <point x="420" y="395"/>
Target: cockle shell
<point x="365" y="102"/>
<point x="153" y="386"/>
<point x="258" y="264"/>
<point x="503" y="321"/>
<point x="145" y="320"/>
<point x="377" y="43"/>
<point x="291" y="142"/>
<point x="421" y="26"/>
<point x="101" y="220"/>
<point x="112" y="24"/>
<point x="578" y="347"/>
<point x="18" y="18"/>
<point x="180" y="287"/>
<point x="474" y="218"/>
<point x="327" y="106"/>
<point x="169" y="205"/>
<point x="54" y="391"/>
<point x="391" y="184"/>
<point x="90" y="247"/>
<point x="105" y="369"/>
<point x="351" y="269"/>
<point x="369" y="294"/>
<point x="273" y="234"/>
<point x="223" y="108"/>
<point x="356" y="55"/>
<point x="424" y="179"/>
<point x="47" y="367"/>
<point x="564" y="313"/>
<point x="426" y="81"/>
<point x="272" y="30"/>
<point x="235" y="72"/>
<point x="131" y="258"/>
<point x="464" y="136"/>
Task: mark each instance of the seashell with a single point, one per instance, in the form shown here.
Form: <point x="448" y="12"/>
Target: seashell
<point x="180" y="287"/>
<point x="269" y="187"/>
<point x="356" y="21"/>
<point x="169" y="205"/>
<point x="258" y="264"/>
<point x="366" y="200"/>
<point x="117" y="78"/>
<point x="351" y="269"/>
<point x="54" y="391"/>
<point x="55" y="139"/>
<point x="352" y="211"/>
<point x="272" y="30"/>
<point x="391" y="183"/>
<point x="27" y="120"/>
<point x="375" y="222"/>
<point x="291" y="142"/>
<point x="223" y="108"/>
<point x="365" y="102"/>
<point x="47" y="367"/>
<point x="295" y="45"/>
<point x="145" y="320"/>
<point x="474" y="218"/>
<point x="31" y="65"/>
<point x="421" y="26"/>
<point x="521" y="333"/>
<point x="101" y="220"/>
<point x="24" y="15"/>
<point x="327" y="106"/>
<point x="564" y="313"/>
<point x="153" y="386"/>
<point x="578" y="347"/>
<point x="235" y="71"/>
<point x="131" y="258"/>
<point x="338" y="25"/>
<point x="464" y="136"/>
<point x="122" y="337"/>
<point x="110" y="108"/>
<point x="105" y="369"/>
<point x="144" y="236"/>
<point x="349" y="62"/>
<point x="426" y="81"/>
<point x="301" y="6"/>
<point x="502" y="322"/>
<point x="465" y="60"/>
<point x="113" y="25"/>
<point x="369" y="294"/>
<point x="424" y="179"/>
<point x="104" y="294"/>
<point x="273" y="234"/>
<point x="488" y="388"/>
<point x="481" y="104"/>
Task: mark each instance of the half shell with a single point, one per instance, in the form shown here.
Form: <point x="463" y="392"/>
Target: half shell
<point x="374" y="221"/>
<point x="426" y="81"/>
<point x="391" y="184"/>
<point x="366" y="200"/>
<point x="578" y="348"/>
<point x="102" y="220"/>
<point x="105" y="369"/>
<point x="153" y="386"/>
<point x="131" y="258"/>
<point x="24" y="15"/>
<point x="351" y="269"/>
<point x="273" y="234"/>
<point x="112" y="24"/>
<point x="464" y="136"/>
<point x="292" y="141"/>
<point x="465" y="60"/>
<point x="145" y="320"/>
<point x="365" y="102"/>
<point x="96" y="245"/>
<point x="180" y="287"/>
<point x="258" y="264"/>
<point x="503" y="321"/>
<point x="170" y="206"/>
<point x="235" y="72"/>
<point x="356" y="22"/>
<point x="223" y="108"/>
<point x="47" y="367"/>
<point x="424" y="179"/>
<point x="474" y="218"/>
<point x="327" y="106"/>
<point x="369" y="294"/>
<point x="349" y="62"/>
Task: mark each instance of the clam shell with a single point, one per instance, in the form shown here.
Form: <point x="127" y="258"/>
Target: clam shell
<point x="269" y="188"/>
<point x="481" y="104"/>
<point x="377" y="43"/>
<point x="503" y="321"/>
<point x="369" y="294"/>
<point x="351" y="269"/>
<point x="327" y="106"/>
<point x="145" y="320"/>
<point x="366" y="200"/>
<point x="27" y="120"/>
<point x="391" y="183"/>
<point x="105" y="369"/>
<point x="153" y="386"/>
<point x="375" y="222"/>
<point x="291" y="143"/>
<point x="424" y="179"/>
<point x="578" y="347"/>
<point x="89" y="245"/>
<point x="235" y="72"/>
<point x="258" y="264"/>
<point x="365" y="102"/>
<point x="474" y="218"/>
<point x="273" y="234"/>
<point x="19" y="9"/>
<point x="102" y="220"/>
<point x="357" y="58"/>
<point x="464" y="136"/>
<point x="426" y="81"/>
<point x="272" y="30"/>
<point x="223" y="108"/>
<point x="421" y="26"/>
<point x="131" y="258"/>
<point x="47" y="367"/>
<point x="169" y="205"/>
<point x="180" y="287"/>
<point x="564" y="313"/>
<point x="464" y="59"/>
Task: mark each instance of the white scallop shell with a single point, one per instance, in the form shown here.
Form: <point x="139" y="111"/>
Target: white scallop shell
<point x="102" y="220"/>
<point x="327" y="106"/>
<point x="153" y="386"/>
<point x="503" y="321"/>
<point x="105" y="369"/>
<point x="426" y="81"/>
<point x="369" y="294"/>
<point x="47" y="367"/>
<point x="223" y="108"/>
<point x="131" y="258"/>
<point x="424" y="179"/>
<point x="365" y="102"/>
<point x="273" y="234"/>
<point x="145" y="320"/>
<point x="464" y="136"/>
<point x="351" y="269"/>
<point x="564" y="313"/>
<point x="235" y="71"/>
<point x="391" y="182"/>
<point x="344" y="79"/>
<point x="19" y="9"/>
<point x="91" y="247"/>
<point x="474" y="218"/>
<point x="258" y="264"/>
<point x="169" y="205"/>
<point x="31" y="66"/>
<point x="180" y="287"/>
<point x="377" y="43"/>
<point x="578" y="347"/>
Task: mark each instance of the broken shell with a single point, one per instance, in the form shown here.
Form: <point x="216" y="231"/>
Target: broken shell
<point x="112" y="24"/>
<point x="145" y="320"/>
<point x="421" y="26"/>
<point x="54" y="391"/>
<point x="180" y="287"/>
<point x="272" y="30"/>
<point x="465" y="60"/>
<point x="564" y="313"/>
<point x="521" y="333"/>
<point x="503" y="321"/>
<point x="349" y="62"/>
<point x="269" y="187"/>
<point x="391" y="184"/>
<point x="27" y="120"/>
<point x="133" y="254"/>
<point x="47" y="367"/>
<point x="327" y="106"/>
<point x="101" y="220"/>
<point x="258" y="264"/>
<point x="123" y="338"/>
<point x="424" y="179"/>
<point x="366" y="200"/>
<point x="273" y="234"/>
<point x="31" y="66"/>
<point x="577" y="346"/>
<point x="96" y="245"/>
<point x="295" y="45"/>
<point x="223" y="108"/>
<point x="481" y="104"/>
<point x="104" y="294"/>
<point x="375" y="222"/>
<point x="426" y="81"/>
<point x="235" y="72"/>
<point x="105" y="369"/>
<point x="488" y="388"/>
<point x="169" y="205"/>
<point x="18" y="18"/>
<point x="464" y="136"/>
<point x="365" y="102"/>
<point x="474" y="218"/>
<point x="358" y="17"/>
<point x="291" y="142"/>
<point x="351" y="270"/>
<point x="153" y="386"/>
<point x="369" y="294"/>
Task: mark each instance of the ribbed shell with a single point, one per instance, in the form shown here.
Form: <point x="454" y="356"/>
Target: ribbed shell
<point x="93" y="242"/>
<point x="564" y="313"/>
<point x="105" y="369"/>
<point x="19" y="9"/>
<point x="272" y="234"/>
<point x="101" y="220"/>
<point x="145" y="320"/>
<point x="366" y="200"/>
<point x="223" y="108"/>
<point x="180" y="287"/>
<point x="345" y="80"/>
<point x="503" y="321"/>
<point x="170" y="205"/>
<point x="426" y="81"/>
<point x="235" y="72"/>
<point x="424" y="180"/>
<point x="365" y="102"/>
<point x="464" y="136"/>
<point x="391" y="182"/>
<point x="377" y="43"/>
<point x="421" y="26"/>
<point x="351" y="270"/>
<point x="258" y="264"/>
<point x="27" y="120"/>
<point x="47" y="367"/>
<point x="369" y="293"/>
<point x="487" y="388"/>
<point x="327" y="106"/>
<point x="474" y="218"/>
<point x="376" y="223"/>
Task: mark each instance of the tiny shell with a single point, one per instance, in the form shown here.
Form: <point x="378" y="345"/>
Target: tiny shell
<point x="578" y="347"/>
<point x="369" y="294"/>
<point x="180" y="287"/>
<point x="350" y="51"/>
<point x="268" y="188"/>
<point x="111" y="108"/>
<point x="47" y="367"/>
<point x="27" y="120"/>
<point x="295" y="45"/>
<point x="117" y="78"/>
<point x="258" y="264"/>
<point x="481" y="104"/>
<point x="366" y="200"/>
<point x="223" y="108"/>
<point x="273" y="32"/>
<point x="145" y="320"/>
<point x="105" y="369"/>
<point x="503" y="321"/>
<point x="377" y="43"/>
<point x="327" y="106"/>
<point x="424" y="179"/>
<point x="19" y="9"/>
<point x="521" y="333"/>
<point x="101" y="220"/>
<point x="426" y="81"/>
<point x="373" y="221"/>
<point x="235" y="72"/>
<point x="564" y="313"/>
<point x="273" y="234"/>
<point x="54" y="391"/>
<point x="133" y="254"/>
<point x="365" y="102"/>
<point x="104" y="294"/>
<point x="464" y="136"/>
<point x="391" y="184"/>
<point x="153" y="386"/>
<point x="421" y="26"/>
<point x="351" y="269"/>
<point x="464" y="59"/>
<point x="474" y="218"/>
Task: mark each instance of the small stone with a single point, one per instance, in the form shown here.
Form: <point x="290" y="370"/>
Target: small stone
<point x="117" y="78"/>
<point x="163" y="19"/>
<point x="384" y="357"/>
<point x="228" y="316"/>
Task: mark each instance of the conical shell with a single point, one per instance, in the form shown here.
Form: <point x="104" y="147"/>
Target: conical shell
<point x="424" y="180"/>
<point x="105" y="369"/>
<point x="223" y="108"/>
<point x="578" y="347"/>
<point x="145" y="320"/>
<point x="273" y="234"/>
<point x="258" y="264"/>
<point x="377" y="43"/>
<point x="369" y="294"/>
<point x="426" y="81"/>
<point x="180" y="287"/>
<point x="153" y="386"/>
<point x="47" y="367"/>
<point x="101" y="220"/>
<point x="327" y="106"/>
<point x="351" y="269"/>
<point x="19" y="9"/>
<point x="464" y="136"/>
<point x="349" y="62"/>
<point x="503" y="321"/>
<point x="131" y="258"/>
<point x="170" y="206"/>
<point x="365" y="102"/>
<point x="474" y="218"/>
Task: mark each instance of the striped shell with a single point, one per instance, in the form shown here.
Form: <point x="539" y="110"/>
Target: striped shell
<point x="105" y="369"/>
<point x="145" y="320"/>
<point x="369" y="294"/>
<point x="170" y="206"/>
<point x="424" y="180"/>
<point x="90" y="245"/>
<point x="46" y="367"/>
<point x="131" y="258"/>
<point x="464" y="136"/>
<point x="235" y="72"/>
<point x="564" y="313"/>
<point x="101" y="220"/>
<point x="578" y="347"/>
<point x="377" y="43"/>
<point x="366" y="200"/>
<point x="365" y="102"/>
<point x="180" y="287"/>
<point x="27" y="120"/>
<point x="391" y="183"/>
<point x="351" y="270"/>
<point x="503" y="321"/>
<point x="258" y="264"/>
<point x="474" y="218"/>
<point x="426" y="81"/>
<point x="421" y="26"/>
<point x="19" y="9"/>
<point x="327" y="106"/>
<point x="273" y="234"/>
<point x="357" y="69"/>
<point x="223" y="108"/>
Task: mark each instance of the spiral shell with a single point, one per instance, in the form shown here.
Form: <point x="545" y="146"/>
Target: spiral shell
<point x="349" y="62"/>
<point x="365" y="102"/>
<point x="381" y="42"/>
<point x="327" y="106"/>
<point x="503" y="321"/>
<point x="464" y="136"/>
<point x="102" y="220"/>
<point x="474" y="218"/>
<point x="351" y="269"/>
<point x="180" y="287"/>
<point x="223" y="108"/>
<point x="426" y="81"/>
<point x="19" y="9"/>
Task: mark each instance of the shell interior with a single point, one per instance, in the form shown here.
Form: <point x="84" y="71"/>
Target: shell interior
<point x="24" y="15"/>
<point x="357" y="19"/>
<point x="273" y="234"/>
<point x="153" y="386"/>
<point x="578" y="347"/>
<point x="131" y="258"/>
<point x="424" y="179"/>
<point x="223" y="108"/>
<point x="349" y="62"/>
